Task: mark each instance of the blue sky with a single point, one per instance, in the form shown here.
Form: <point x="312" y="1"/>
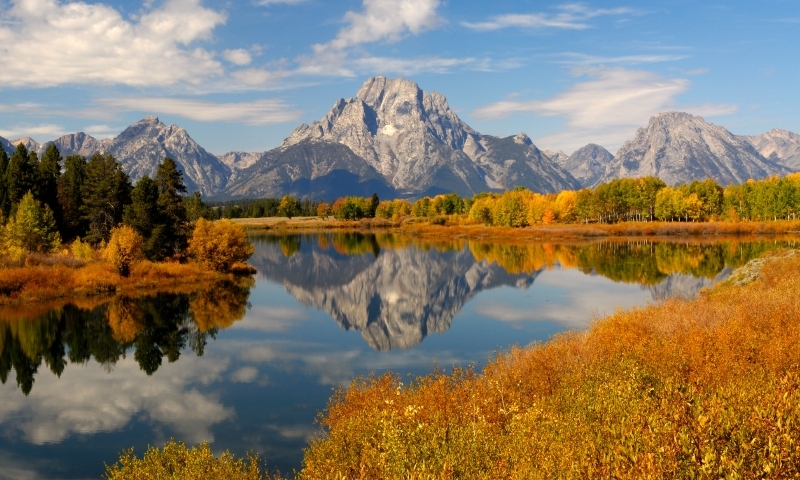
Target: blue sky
<point x="241" y="75"/>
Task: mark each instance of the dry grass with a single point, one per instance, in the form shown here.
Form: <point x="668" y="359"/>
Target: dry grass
<point x="42" y="283"/>
<point x="708" y="388"/>
<point x="461" y="227"/>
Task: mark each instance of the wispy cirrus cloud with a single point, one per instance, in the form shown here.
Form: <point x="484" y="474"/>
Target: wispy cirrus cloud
<point x="258" y="112"/>
<point x="45" y="130"/>
<point x="571" y="17"/>
<point x="605" y="109"/>
<point x="580" y="59"/>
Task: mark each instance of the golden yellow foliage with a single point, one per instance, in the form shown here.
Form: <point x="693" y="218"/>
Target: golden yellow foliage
<point x="708" y="388"/>
<point x="220" y="244"/>
<point x="220" y="307"/>
<point x="124" y="247"/>
<point x="176" y="461"/>
<point x="82" y="250"/>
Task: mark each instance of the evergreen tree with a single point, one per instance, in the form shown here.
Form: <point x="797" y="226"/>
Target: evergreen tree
<point x="106" y="191"/>
<point x="4" y="205"/>
<point x="49" y="173"/>
<point x="196" y="208"/>
<point x="171" y="236"/>
<point x="70" y="199"/>
<point x="33" y="229"/>
<point x="143" y="215"/>
<point x="21" y="174"/>
<point x="373" y="206"/>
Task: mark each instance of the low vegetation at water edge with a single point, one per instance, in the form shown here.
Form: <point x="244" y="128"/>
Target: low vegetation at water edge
<point x="703" y="389"/>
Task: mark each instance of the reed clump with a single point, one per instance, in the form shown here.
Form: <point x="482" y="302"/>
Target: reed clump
<point x="708" y="388"/>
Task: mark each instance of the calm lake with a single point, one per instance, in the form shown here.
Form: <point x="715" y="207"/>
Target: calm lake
<point x="248" y="365"/>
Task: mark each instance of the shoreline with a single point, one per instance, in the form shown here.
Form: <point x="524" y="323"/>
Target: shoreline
<point x="97" y="282"/>
<point x="423" y="228"/>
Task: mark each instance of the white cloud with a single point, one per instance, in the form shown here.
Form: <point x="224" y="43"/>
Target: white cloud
<point x="49" y="42"/>
<point x="51" y="412"/>
<point x="258" y="112"/>
<point x="17" y="470"/>
<point x="244" y="375"/>
<point x="571" y="17"/>
<point x="239" y="56"/>
<point x="385" y="20"/>
<point x="607" y="109"/>
<point x="380" y="20"/>
<point x="42" y="131"/>
<point x="271" y="319"/>
<point x="582" y="59"/>
<point x="594" y="297"/>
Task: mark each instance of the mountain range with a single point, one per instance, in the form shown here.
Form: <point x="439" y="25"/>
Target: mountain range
<point x="397" y="140"/>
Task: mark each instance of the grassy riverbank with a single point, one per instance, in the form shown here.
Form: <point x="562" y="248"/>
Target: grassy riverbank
<point x="51" y="278"/>
<point x="461" y="227"/>
<point x="706" y="388"/>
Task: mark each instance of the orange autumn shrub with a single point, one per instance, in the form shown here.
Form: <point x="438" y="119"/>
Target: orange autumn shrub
<point x="220" y="244"/>
<point x="708" y="388"/>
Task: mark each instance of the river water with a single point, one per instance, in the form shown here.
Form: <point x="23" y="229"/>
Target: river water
<point x="248" y="365"/>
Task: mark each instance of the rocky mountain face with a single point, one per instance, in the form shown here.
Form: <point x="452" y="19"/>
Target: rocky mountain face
<point x="394" y="298"/>
<point x="78" y="144"/>
<point x="420" y="146"/>
<point x="559" y="157"/>
<point x="145" y="144"/>
<point x="680" y="148"/>
<point x="31" y="144"/>
<point x="240" y="160"/>
<point x="6" y="145"/>
<point x="142" y="146"/>
<point x="513" y="161"/>
<point x="779" y="146"/>
<point x="588" y="164"/>
<point x="309" y="169"/>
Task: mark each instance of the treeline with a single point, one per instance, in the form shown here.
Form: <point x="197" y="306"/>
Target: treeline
<point x="49" y="201"/>
<point x="626" y="199"/>
<point x="287" y="206"/>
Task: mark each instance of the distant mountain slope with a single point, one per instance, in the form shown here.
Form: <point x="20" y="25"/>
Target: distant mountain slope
<point x="588" y="164"/>
<point x="420" y="146"/>
<point x="145" y="144"/>
<point x="679" y="147"/>
<point x="513" y="161"/>
<point x="779" y="146"/>
<point x="78" y="144"/>
<point x="240" y="160"/>
<point x="31" y="144"/>
<point x="6" y="145"/>
<point x="309" y="169"/>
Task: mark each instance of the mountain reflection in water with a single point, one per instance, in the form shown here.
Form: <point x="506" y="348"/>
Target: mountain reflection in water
<point x="395" y="291"/>
<point x="154" y="327"/>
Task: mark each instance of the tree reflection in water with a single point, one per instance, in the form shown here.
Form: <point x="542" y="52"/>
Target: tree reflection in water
<point x="154" y="326"/>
